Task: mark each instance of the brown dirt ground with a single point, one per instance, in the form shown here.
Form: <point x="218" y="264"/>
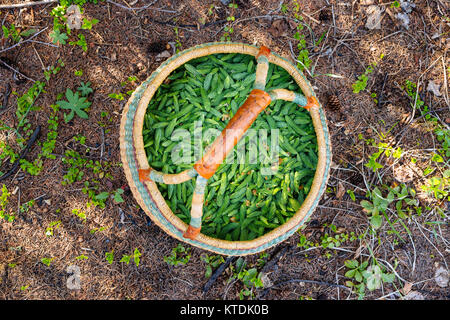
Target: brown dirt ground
<point x="122" y="44"/>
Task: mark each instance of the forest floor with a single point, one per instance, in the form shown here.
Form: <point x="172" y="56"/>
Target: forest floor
<point x="381" y="71"/>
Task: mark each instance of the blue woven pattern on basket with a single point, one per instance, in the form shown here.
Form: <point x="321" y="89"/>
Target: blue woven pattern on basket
<point x="151" y="205"/>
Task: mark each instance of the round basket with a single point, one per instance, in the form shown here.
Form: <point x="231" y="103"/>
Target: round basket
<point x="147" y="194"/>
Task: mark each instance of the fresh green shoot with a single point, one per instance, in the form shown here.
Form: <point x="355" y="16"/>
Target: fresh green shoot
<point x="212" y="262"/>
<point x="47" y="261"/>
<point x="110" y="256"/>
<point x="179" y="256"/>
<point x="80" y="214"/>
<point x="3" y="202"/>
<point x="366" y="276"/>
<point x="80" y="42"/>
<point x="52" y="226"/>
<point x="119" y="96"/>
<point x="88" y="24"/>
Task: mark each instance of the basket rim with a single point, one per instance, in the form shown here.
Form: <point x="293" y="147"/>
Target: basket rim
<point x="147" y="194"/>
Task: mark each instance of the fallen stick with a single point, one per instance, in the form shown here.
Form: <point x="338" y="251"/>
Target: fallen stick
<point x="275" y="258"/>
<point x="24" y="41"/>
<point x="266" y="290"/>
<point x="25" y="4"/>
<point x="217" y="273"/>
<point x="6" y="96"/>
<point x="23" y="153"/>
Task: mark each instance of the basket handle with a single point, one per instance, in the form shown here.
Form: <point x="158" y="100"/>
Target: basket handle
<point x="256" y="102"/>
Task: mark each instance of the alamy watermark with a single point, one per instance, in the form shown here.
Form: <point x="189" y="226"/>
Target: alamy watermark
<point x="255" y="147"/>
<point x="74" y="280"/>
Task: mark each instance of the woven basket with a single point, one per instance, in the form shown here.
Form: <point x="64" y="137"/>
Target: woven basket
<point x="147" y="194"/>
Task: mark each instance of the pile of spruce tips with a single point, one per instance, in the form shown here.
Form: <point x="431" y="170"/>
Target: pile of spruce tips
<point x="241" y="203"/>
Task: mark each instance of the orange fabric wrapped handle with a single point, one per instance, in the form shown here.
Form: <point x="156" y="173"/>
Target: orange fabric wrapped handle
<point x="256" y="102"/>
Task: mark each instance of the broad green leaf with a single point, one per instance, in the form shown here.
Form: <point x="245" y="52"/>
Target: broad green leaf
<point x="376" y="221"/>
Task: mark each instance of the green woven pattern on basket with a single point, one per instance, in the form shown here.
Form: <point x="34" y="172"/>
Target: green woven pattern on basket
<point x="150" y="203"/>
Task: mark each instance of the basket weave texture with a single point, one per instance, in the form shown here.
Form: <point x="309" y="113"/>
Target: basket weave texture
<point x="147" y="194"/>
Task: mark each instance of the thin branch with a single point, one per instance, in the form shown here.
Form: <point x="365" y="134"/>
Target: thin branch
<point x="16" y="71"/>
<point x="22" y="42"/>
<point x="136" y="8"/>
<point x="25" y="4"/>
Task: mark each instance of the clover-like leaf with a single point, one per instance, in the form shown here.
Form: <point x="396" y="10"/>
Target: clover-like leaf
<point x="58" y="37"/>
<point x="75" y="104"/>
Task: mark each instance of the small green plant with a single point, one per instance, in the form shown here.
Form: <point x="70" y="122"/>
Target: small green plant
<point x="229" y="28"/>
<point x="110" y="256"/>
<point x="263" y="256"/>
<point x="361" y="83"/>
<point x="212" y="262"/>
<point x="48" y="145"/>
<point x="118" y="195"/>
<point x="75" y="104"/>
<point x="53" y="69"/>
<point x="88" y="24"/>
<point x="377" y="206"/>
<point x="25" y="104"/>
<point x="58" y="37"/>
<point x="85" y="89"/>
<point x="136" y="257"/>
<point x="14" y="34"/>
<point x="178" y="44"/>
<point x="179" y="256"/>
<point x="47" y="261"/>
<point x="80" y="214"/>
<point x="366" y="276"/>
<point x="52" y="227"/>
<point x="81" y="257"/>
<point x="438" y="186"/>
<point x="78" y="73"/>
<point x="250" y="278"/>
<point x="3" y="202"/>
<point x="303" y="54"/>
<point x="80" y="42"/>
<point x="443" y="136"/>
<point x="382" y="148"/>
<point x="403" y="196"/>
<point x="118" y="96"/>
<point x="93" y="231"/>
